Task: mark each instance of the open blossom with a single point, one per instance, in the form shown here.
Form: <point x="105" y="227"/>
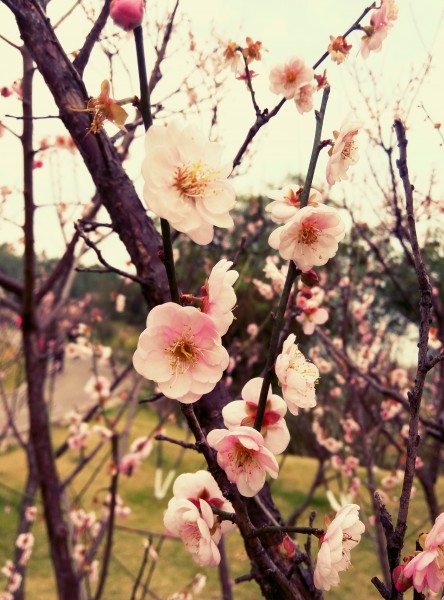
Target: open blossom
<point x="202" y="486"/>
<point x="380" y="23"/>
<point x="193" y="524"/>
<point x="297" y="377"/>
<point x="127" y="13"/>
<point x="338" y="49"/>
<point x="287" y="202"/>
<point x="342" y="535"/>
<point x="233" y="57"/>
<point x="288" y="79"/>
<point x="98" y="388"/>
<point x="181" y="350"/>
<point x="185" y="182"/>
<point x="427" y="568"/>
<point x="310" y="238"/>
<point x="304" y="99"/>
<point x="344" y="152"/>
<point x="274" y="430"/>
<point x="219" y="298"/>
<point x="241" y="453"/>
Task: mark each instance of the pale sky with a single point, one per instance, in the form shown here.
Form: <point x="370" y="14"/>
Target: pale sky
<point x="286" y="28"/>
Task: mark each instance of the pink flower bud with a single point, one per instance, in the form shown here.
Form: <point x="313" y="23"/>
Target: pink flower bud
<point x="127" y="13"/>
<point x="287" y="548"/>
<point x="402" y="583"/>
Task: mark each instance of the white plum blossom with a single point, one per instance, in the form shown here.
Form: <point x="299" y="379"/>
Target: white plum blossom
<point x="287" y="202"/>
<point x="297" y="376"/>
<point x="344" y="152"/>
<point x="185" y="182"/>
<point x="219" y="298"/>
<point x="243" y="412"/>
<point x="342" y="535"/>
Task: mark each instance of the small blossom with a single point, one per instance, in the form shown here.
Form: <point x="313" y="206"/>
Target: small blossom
<point x="218" y="295"/>
<point x="252" y="51"/>
<point x="232" y="56"/>
<point x="104" y="108"/>
<point x="241" y="453"/>
<point x="288" y="79"/>
<point x="310" y="238"/>
<point x="98" y="388"/>
<point x="342" y="535"/>
<point x="31" y="513"/>
<point x="181" y="350"/>
<point x="338" y="49"/>
<point x="185" y="182"/>
<point x="304" y="99"/>
<point x="297" y="377"/>
<point x="402" y="583"/>
<point x="127" y="13"/>
<point x="344" y="152"/>
<point x="380" y="24"/>
<point x="243" y="412"/>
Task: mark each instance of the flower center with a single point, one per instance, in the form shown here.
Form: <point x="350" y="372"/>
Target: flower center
<point x="350" y="146"/>
<point x="183" y="353"/>
<point x="192" y="180"/>
<point x="308" y="234"/>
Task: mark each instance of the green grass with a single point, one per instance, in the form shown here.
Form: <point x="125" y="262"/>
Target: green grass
<point x="175" y="568"/>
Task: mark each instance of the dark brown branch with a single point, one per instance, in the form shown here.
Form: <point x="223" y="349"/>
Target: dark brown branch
<point x="156" y="73"/>
<point x="11" y="285"/>
<point x="82" y="57"/>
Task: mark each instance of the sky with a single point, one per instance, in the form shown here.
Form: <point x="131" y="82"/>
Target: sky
<point x="286" y="28"/>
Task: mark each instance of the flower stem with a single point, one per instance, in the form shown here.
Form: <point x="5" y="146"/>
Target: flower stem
<point x="145" y="110"/>
<point x="293" y="272"/>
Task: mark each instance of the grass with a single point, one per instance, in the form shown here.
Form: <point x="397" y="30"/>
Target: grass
<point x="175" y="569"/>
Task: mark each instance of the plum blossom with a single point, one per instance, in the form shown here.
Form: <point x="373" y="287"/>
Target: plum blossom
<point x="380" y="24"/>
<point x="241" y="453"/>
<point x="344" y="151"/>
<point x="309" y="238"/>
<point x="185" y="182"/>
<point x="141" y="448"/>
<point x="288" y="79"/>
<point x="287" y="202"/>
<point x="243" y="412"/>
<point x="312" y="314"/>
<point x="304" y="100"/>
<point x="426" y="568"/>
<point x="232" y="57"/>
<point x="78" y="436"/>
<point x="190" y="516"/>
<point x="98" y="388"/>
<point x="127" y="13"/>
<point x="104" y="108"/>
<point x="342" y="535"/>
<point x="338" y="49"/>
<point x="297" y="377"/>
<point x="218" y="295"/>
<point x="181" y="350"/>
<point x="193" y="524"/>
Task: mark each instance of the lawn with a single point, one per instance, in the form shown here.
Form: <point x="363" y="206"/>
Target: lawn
<point x="174" y="569"/>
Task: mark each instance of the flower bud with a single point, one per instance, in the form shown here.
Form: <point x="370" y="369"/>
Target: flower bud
<point x="127" y="13"/>
<point x="310" y="278"/>
<point x="402" y="583"/>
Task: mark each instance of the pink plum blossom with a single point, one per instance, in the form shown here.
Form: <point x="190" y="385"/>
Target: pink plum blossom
<point x="344" y="151"/>
<point x="297" y="377"/>
<point x="218" y="295"/>
<point x="288" y="79"/>
<point x="342" y="535"/>
<point x="287" y="202"/>
<point x="310" y="238"/>
<point x="242" y="454"/>
<point x="181" y="350"/>
<point x="338" y="49"/>
<point x="304" y="100"/>
<point x="193" y="524"/>
<point x="274" y="430"/>
<point x="127" y="13"/>
<point x="380" y="24"/>
<point x="185" y="182"/>
<point x="426" y="568"/>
